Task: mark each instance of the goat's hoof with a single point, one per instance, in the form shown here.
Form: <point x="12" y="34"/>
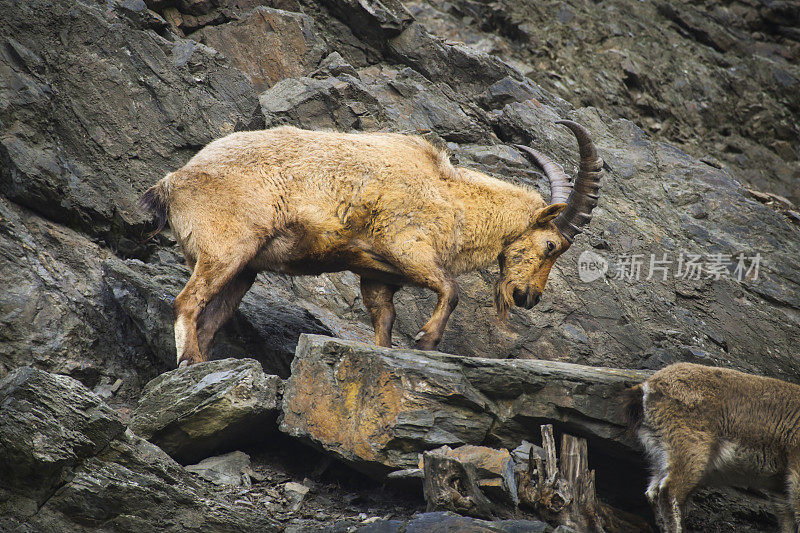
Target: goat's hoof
<point x="188" y="360"/>
<point x="425" y="344"/>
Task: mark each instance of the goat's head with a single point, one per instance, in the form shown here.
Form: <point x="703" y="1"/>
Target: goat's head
<point x="525" y="263"/>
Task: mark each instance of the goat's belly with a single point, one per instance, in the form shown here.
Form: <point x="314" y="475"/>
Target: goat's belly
<point x="738" y="465"/>
<point x="290" y="254"/>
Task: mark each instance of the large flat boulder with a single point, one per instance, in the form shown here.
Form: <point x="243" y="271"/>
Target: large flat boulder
<point x="194" y="411"/>
<point x="379" y="408"/>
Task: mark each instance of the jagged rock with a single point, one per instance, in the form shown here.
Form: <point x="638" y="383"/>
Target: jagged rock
<point x="442" y="521"/>
<point x="267" y="44"/>
<point x="413" y="104"/>
<point x="67" y="464"/>
<point x="379" y="408"/>
<point x="49" y="424"/>
<point x="372" y="20"/>
<point x="334" y="65"/>
<point x="522" y="453"/>
<point x="295" y="493"/>
<point x="229" y="469"/>
<point x="341" y="102"/>
<point x="109" y="100"/>
<point x="193" y="411"/>
<point x="54" y="313"/>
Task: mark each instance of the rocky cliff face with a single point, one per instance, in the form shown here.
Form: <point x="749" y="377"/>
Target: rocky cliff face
<point x="687" y="102"/>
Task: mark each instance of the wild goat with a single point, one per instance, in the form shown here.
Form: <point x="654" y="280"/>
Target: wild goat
<point x="705" y="426"/>
<point x="388" y="207"/>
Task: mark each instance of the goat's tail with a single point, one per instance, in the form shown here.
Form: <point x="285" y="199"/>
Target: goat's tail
<point x="633" y="407"/>
<point x="156" y="201"/>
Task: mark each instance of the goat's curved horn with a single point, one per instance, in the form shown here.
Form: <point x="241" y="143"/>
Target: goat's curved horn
<point x="560" y="183"/>
<point x="586" y="190"/>
<point x="581" y="197"/>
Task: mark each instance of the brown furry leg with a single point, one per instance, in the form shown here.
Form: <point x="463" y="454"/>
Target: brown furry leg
<point x="790" y="518"/>
<point x="419" y="264"/>
<point x="377" y="298"/>
<point x="689" y="454"/>
<point x="209" y="277"/>
<point x="431" y="333"/>
<point x="221" y="308"/>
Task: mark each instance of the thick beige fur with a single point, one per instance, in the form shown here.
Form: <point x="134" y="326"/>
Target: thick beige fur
<point x="388" y="207"/>
<point x="706" y="426"/>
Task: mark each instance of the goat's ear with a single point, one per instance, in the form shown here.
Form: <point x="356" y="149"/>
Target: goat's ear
<point x="548" y="213"/>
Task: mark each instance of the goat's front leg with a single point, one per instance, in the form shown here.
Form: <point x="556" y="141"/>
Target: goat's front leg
<point x="431" y="333"/>
<point x="419" y="263"/>
<point x="377" y="298"/>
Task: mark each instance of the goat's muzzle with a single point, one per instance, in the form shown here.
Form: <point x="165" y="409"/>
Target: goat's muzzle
<point x="526" y="298"/>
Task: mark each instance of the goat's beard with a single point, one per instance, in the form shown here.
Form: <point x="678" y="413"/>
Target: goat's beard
<point x="503" y="297"/>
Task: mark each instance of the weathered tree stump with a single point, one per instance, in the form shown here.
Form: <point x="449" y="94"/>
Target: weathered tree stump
<point x="564" y="493"/>
<point x="450" y="485"/>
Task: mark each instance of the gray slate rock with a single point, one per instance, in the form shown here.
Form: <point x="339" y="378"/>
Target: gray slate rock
<point x="446" y="522"/>
<point x="341" y="102"/>
<point x="229" y="469"/>
<point x="49" y="424"/>
<point x="379" y="408"/>
<point x="372" y="20"/>
<point x="106" y="111"/>
<point x="193" y="411"/>
<point x="67" y="464"/>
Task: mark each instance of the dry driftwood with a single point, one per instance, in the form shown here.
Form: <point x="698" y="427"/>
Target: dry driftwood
<point x="451" y="485"/>
<point x="563" y="492"/>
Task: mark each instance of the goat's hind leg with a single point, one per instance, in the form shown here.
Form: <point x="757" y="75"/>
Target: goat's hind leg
<point x="221" y="308"/>
<point x="789" y="512"/>
<point x="377" y="298"/>
<point x="689" y="454"/>
<point x="210" y="276"/>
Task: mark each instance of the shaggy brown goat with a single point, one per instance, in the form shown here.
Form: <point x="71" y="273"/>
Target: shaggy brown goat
<point x="705" y="426"/>
<point x="388" y="207"/>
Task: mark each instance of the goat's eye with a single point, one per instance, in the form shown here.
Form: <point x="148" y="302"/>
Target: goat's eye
<point x="551" y="246"/>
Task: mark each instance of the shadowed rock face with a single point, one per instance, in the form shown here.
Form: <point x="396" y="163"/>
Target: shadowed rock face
<point x="68" y="464"/>
<point x="98" y="100"/>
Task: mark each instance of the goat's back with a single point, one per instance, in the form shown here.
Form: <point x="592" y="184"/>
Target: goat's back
<point x="727" y="403"/>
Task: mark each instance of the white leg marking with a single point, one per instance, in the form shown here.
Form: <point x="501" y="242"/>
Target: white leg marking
<point x="676" y="516"/>
<point x="656" y="452"/>
<point x="180" y="336"/>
